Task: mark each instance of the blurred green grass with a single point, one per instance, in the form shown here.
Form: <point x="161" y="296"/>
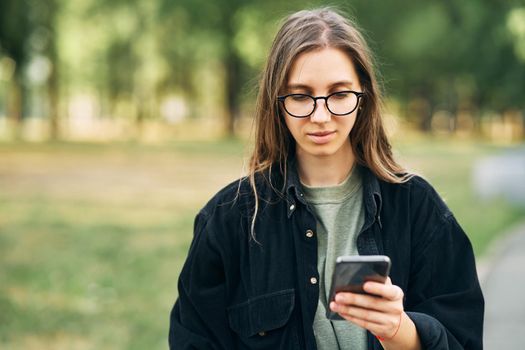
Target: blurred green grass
<point x="448" y="166"/>
<point x="92" y="237"/>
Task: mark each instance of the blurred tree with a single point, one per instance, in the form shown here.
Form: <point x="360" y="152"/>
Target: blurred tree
<point x="498" y="70"/>
<point x="216" y="20"/>
<point x="15" y="29"/>
<point x="128" y="83"/>
<point x="445" y="54"/>
<point x="119" y="61"/>
<point x="44" y="15"/>
<point x="53" y="81"/>
<point x="238" y="34"/>
<point x="178" y="46"/>
<point x="126" y="55"/>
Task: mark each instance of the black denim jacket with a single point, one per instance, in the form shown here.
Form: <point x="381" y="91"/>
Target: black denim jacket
<point x="235" y="293"/>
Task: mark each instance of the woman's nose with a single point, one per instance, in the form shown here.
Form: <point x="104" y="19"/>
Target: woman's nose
<point x="321" y="113"/>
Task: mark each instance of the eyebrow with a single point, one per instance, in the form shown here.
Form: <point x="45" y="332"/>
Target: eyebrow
<point x="306" y="87"/>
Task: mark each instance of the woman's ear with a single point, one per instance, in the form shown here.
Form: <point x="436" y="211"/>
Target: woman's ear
<point x="361" y="102"/>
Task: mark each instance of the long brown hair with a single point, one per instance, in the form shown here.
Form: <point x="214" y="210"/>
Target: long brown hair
<point x="306" y="31"/>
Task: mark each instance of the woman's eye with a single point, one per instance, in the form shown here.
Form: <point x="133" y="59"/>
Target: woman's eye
<point x="341" y="95"/>
<point x="300" y="98"/>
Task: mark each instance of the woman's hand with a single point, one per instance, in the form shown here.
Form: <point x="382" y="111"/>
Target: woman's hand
<point x="381" y="312"/>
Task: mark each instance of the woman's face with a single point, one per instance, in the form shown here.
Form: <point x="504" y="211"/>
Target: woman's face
<point x="320" y="73"/>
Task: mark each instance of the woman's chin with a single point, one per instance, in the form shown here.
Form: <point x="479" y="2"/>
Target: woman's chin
<point x="323" y="151"/>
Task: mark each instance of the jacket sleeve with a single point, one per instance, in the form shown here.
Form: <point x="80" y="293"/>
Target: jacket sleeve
<point x="444" y="298"/>
<point x="198" y="319"/>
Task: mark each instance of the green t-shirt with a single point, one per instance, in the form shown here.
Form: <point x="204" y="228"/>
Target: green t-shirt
<point x="340" y="215"/>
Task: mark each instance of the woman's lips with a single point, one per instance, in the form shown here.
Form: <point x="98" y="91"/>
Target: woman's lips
<point x="321" y="137"/>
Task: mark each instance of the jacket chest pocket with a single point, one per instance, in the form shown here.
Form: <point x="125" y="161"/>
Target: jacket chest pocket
<point x="263" y="322"/>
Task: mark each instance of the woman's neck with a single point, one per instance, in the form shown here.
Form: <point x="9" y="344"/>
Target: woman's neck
<point x="322" y="171"/>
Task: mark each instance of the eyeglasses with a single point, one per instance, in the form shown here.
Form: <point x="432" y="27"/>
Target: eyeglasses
<point x="338" y="103"/>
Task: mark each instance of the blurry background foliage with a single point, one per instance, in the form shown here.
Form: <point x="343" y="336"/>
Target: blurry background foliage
<point x="119" y="119"/>
<point x="129" y="69"/>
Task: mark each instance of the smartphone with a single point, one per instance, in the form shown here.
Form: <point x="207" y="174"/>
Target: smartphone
<point x="352" y="271"/>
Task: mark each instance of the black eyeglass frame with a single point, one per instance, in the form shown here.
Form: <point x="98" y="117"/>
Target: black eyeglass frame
<point x="325" y="98"/>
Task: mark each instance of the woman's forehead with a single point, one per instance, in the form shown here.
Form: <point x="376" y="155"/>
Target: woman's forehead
<point x="323" y="68"/>
<point x="335" y="84"/>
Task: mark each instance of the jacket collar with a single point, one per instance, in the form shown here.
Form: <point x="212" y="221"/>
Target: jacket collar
<point x="372" y="194"/>
<point x="371" y="191"/>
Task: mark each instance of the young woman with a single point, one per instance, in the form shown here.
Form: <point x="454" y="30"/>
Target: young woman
<point x="323" y="183"/>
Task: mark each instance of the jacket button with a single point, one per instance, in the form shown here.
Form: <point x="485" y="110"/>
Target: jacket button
<point x="262" y="334"/>
<point x="292" y="207"/>
<point x="309" y="233"/>
<point x="313" y="280"/>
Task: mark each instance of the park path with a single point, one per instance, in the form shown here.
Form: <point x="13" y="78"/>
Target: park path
<point x="503" y="285"/>
<point x="502" y="272"/>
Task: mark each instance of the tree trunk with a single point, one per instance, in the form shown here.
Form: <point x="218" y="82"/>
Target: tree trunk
<point x="185" y="74"/>
<point x="425" y="108"/>
<point x="141" y="102"/>
<point x="426" y="114"/>
<point x="53" y="94"/>
<point x="452" y="102"/>
<point x="15" y="105"/>
<point x="53" y="80"/>
<point x="232" y="93"/>
<point x="233" y="64"/>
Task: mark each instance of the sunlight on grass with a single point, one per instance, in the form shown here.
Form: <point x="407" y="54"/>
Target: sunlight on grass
<point x="94" y="276"/>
